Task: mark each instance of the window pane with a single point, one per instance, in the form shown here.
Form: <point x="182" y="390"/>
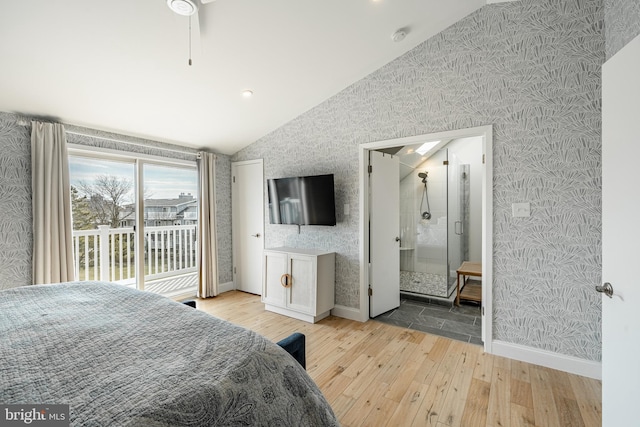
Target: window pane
<point x="170" y="219"/>
<point x="102" y="200"/>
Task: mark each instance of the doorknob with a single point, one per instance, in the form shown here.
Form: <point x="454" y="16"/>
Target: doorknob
<point x="255" y="235"/>
<point x="606" y="289"/>
<point x="399" y="240"/>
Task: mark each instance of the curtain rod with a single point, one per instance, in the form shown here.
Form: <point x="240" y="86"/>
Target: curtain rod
<point x="138" y="144"/>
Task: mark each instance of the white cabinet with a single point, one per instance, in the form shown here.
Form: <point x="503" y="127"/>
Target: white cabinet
<point x="299" y="283"/>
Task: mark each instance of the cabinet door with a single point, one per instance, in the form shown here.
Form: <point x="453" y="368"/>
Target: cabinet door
<point x="302" y="292"/>
<point x="274" y="266"/>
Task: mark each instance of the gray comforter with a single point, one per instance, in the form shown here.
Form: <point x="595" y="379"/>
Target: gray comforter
<point x="122" y="357"/>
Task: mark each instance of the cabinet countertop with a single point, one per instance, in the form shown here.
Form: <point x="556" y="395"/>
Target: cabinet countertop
<point x="303" y="251"/>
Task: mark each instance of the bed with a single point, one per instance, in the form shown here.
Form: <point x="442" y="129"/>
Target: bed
<point x="121" y="357"/>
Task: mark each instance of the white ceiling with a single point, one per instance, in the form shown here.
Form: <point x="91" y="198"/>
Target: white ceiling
<point x="121" y="65"/>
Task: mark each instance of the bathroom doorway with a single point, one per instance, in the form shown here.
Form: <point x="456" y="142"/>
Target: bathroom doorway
<point x="444" y="210"/>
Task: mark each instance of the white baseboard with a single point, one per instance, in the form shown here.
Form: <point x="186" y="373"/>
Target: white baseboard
<point x="296" y="315"/>
<point x="349" y="313"/>
<point x="561" y="362"/>
<point x="225" y="287"/>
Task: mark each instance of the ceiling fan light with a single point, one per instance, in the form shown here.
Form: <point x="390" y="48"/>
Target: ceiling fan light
<point x="183" y="7"/>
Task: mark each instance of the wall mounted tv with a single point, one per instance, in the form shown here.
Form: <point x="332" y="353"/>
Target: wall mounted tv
<point x="302" y="200"/>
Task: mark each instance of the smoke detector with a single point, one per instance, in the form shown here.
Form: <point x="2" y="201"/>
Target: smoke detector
<point x="183" y="7"/>
<point x="399" y="35"/>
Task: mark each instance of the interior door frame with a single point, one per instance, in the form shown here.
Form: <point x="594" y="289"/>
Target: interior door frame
<point x="235" y="232"/>
<point x="486" y="133"/>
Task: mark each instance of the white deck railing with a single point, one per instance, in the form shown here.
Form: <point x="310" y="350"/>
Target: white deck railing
<point x="108" y="253"/>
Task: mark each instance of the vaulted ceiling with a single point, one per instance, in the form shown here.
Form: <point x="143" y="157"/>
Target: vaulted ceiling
<point x="122" y="65"/>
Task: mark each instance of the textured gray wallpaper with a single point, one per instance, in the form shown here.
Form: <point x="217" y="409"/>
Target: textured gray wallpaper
<point x="15" y="193"/>
<point x="223" y="218"/>
<point x="16" y="235"/>
<point x="621" y="23"/>
<point x="532" y="69"/>
<point x="109" y="140"/>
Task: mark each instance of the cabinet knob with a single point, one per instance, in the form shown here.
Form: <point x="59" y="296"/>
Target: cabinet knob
<point x="285" y="280"/>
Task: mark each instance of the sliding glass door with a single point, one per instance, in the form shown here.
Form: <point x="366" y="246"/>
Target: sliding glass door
<point x="135" y="222"/>
<point x="170" y="217"/>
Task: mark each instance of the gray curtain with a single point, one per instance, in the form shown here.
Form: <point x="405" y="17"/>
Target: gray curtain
<point x="207" y="250"/>
<point x="51" y="202"/>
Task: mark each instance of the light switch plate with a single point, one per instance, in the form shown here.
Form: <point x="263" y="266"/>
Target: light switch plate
<point x="346" y="209"/>
<point x="521" y="209"/>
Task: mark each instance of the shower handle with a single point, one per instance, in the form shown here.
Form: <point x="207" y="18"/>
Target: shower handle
<point x="456" y="228"/>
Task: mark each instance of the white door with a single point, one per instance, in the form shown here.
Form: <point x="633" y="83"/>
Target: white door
<point x="620" y="236"/>
<point x="384" y="242"/>
<point x="247" y="195"/>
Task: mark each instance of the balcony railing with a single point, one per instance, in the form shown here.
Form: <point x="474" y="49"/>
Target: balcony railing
<point x="108" y="253"/>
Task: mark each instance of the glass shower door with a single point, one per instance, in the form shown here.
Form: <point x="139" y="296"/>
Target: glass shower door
<point x="455" y="220"/>
<point x="431" y="225"/>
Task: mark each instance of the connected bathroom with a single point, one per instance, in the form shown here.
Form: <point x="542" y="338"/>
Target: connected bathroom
<point x="440" y="214"/>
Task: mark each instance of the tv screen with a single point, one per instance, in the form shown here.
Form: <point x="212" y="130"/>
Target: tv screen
<point x="303" y="200"/>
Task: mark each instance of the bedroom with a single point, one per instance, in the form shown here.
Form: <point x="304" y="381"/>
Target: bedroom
<point x="385" y="103"/>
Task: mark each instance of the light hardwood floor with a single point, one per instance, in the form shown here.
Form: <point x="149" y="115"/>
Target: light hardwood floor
<point x="374" y="374"/>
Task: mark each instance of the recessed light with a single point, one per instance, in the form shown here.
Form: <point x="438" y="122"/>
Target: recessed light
<point x="247" y="93"/>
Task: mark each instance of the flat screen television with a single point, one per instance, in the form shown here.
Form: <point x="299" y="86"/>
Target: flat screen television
<point x="302" y="200"/>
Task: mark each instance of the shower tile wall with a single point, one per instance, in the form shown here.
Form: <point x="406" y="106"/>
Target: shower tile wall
<point x="423" y="283"/>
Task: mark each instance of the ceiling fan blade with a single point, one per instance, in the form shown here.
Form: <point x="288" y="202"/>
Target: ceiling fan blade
<point x="200" y="17"/>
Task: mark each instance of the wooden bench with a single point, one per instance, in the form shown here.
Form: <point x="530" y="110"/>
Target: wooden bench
<point x="468" y="269"/>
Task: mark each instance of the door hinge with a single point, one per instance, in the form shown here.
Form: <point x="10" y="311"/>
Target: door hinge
<point x="483" y="159"/>
<point x="445" y="163"/>
<point x="370" y="169"/>
<point x="234" y="179"/>
<point x="234" y="270"/>
<point x="483" y="311"/>
<point x="370" y="291"/>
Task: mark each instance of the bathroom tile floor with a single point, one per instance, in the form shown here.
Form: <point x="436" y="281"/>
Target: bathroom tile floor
<point x="459" y="323"/>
